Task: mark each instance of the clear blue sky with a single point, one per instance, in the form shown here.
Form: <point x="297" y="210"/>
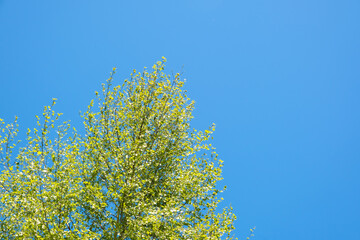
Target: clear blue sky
<point x="281" y="80"/>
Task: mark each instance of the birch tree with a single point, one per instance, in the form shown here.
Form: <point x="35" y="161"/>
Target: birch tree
<point x="139" y="172"/>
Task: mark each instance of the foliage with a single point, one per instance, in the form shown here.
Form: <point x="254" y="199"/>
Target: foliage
<point x="139" y="172"/>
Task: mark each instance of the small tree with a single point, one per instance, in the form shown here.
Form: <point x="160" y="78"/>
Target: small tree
<point x="139" y="172"/>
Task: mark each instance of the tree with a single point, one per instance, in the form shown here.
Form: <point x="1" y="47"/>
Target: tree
<point x="139" y="171"/>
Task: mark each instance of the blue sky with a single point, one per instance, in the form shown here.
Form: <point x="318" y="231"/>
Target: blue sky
<point x="280" y="79"/>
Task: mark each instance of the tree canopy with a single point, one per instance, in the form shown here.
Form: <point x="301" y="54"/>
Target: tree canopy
<point x="139" y="172"/>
